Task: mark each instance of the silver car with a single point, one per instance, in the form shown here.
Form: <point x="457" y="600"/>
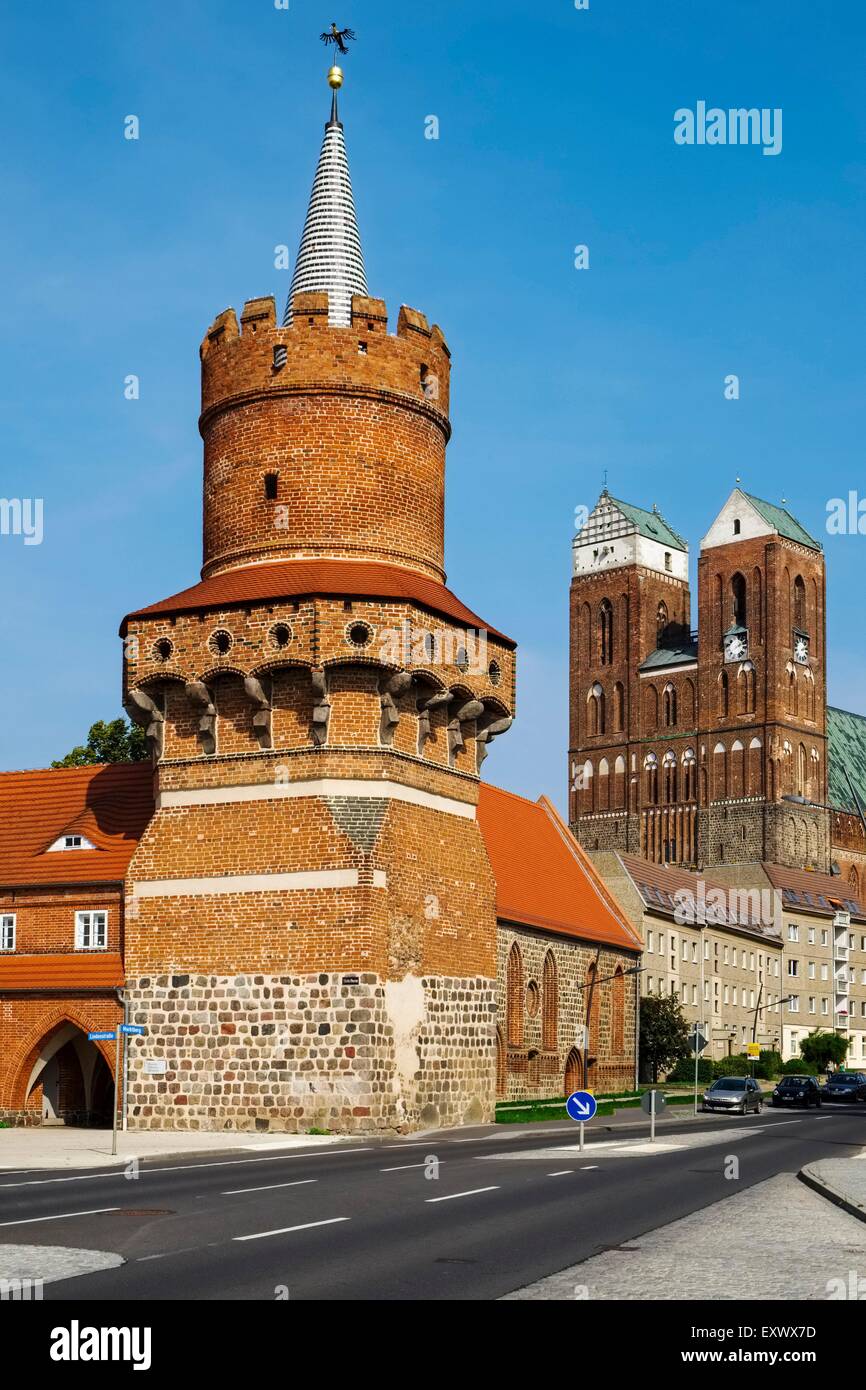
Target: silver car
<point x="736" y="1094"/>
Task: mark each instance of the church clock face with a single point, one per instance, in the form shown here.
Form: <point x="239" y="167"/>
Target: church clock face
<point x="736" y="646"/>
<point x="801" y="648"/>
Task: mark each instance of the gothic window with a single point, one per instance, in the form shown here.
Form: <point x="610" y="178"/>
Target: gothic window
<point x="549" y="1004"/>
<point x="690" y="768"/>
<point x="604" y="785"/>
<point x="670" y="706"/>
<point x="651" y="771"/>
<point x="595" y="710"/>
<point x="723" y="695"/>
<point x="618" y="707"/>
<point x="754" y="770"/>
<point x="757" y="607"/>
<point x="586" y="787"/>
<point x="605" y="632"/>
<point x="746" y="683"/>
<point x="720" y="771"/>
<point x="737" y="769"/>
<point x="514" y="996"/>
<point x="617" y="1013"/>
<point x="661" y="623"/>
<point x="687" y="711"/>
<point x="650" y="707"/>
<point x="669" y="770"/>
<point x="738" y="600"/>
<point x="802" y="771"/>
<point x="854" y="880"/>
<point x="791" y="689"/>
<point x="619" y="783"/>
<point x="800" y="603"/>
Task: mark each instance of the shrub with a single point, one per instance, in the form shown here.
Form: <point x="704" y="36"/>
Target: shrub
<point x="685" y="1070"/>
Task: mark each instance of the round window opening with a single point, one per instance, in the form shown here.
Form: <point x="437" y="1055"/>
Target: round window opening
<point x="220" y="642"/>
<point x="281" y="635"/>
<point x="533" y="998"/>
<point x="359" y="634"/>
<point x="163" y="649"/>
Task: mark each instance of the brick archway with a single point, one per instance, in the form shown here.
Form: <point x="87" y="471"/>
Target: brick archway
<point x="23" y="1061"/>
<point x="573" y="1080"/>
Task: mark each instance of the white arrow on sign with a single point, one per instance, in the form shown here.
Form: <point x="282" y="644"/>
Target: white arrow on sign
<point x="581" y="1107"/>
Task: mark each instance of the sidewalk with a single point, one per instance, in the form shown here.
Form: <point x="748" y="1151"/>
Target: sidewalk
<point x="25" y="1148"/>
<point x="840" y="1180"/>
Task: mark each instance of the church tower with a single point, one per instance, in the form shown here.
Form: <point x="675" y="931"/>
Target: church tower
<point x="311" y="919"/>
<point x="761" y="590"/>
<point x="632" y="684"/>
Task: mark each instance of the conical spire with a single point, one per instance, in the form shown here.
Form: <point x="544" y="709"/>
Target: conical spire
<point x="330" y="256"/>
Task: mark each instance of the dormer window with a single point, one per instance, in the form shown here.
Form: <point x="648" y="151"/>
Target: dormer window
<point x="71" y="842"/>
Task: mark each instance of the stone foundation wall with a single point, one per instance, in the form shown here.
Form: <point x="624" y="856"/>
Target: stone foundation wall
<point x="342" y="1052"/>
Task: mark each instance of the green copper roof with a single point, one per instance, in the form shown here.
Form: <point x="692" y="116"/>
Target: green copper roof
<point x="782" y="521"/>
<point x="846" y="736"/>
<point x="687" y="654"/>
<point x="650" y="524"/>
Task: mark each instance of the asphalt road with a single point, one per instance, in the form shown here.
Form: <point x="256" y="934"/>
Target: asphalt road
<point x="368" y="1221"/>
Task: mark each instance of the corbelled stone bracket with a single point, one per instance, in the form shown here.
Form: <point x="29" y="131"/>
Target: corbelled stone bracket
<point x="465" y="714"/>
<point x="146" y="713"/>
<point x="485" y="735"/>
<point x="391" y="687"/>
<point x="263" y="710"/>
<point x="321" y="705"/>
<point x="198" y="693"/>
<point x="426" y="703"/>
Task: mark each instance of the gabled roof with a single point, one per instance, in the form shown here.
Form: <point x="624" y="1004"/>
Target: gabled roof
<point x="83" y="971"/>
<point x="659" y="884"/>
<point x="846" y="734"/>
<point x="650" y="524"/>
<point x="543" y="877"/>
<point x="824" y="893"/>
<point x="686" y="654"/>
<point x="782" y="521"/>
<point x="110" y="804"/>
<point x="323" y="578"/>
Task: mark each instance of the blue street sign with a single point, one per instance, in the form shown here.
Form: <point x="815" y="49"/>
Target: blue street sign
<point x="581" y="1105"/>
<point x="131" y="1028"/>
<point x="102" y="1037"/>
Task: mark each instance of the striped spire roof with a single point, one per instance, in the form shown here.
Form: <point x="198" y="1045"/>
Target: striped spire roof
<point x="330" y="256"/>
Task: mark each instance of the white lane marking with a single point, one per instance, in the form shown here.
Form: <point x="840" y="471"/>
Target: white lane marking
<point x="471" y="1193"/>
<point x="271" y="1187"/>
<point x="562" y="1173"/>
<point x="287" y="1230"/>
<point x="587" y="1167"/>
<point x="62" y="1216"/>
<point x="403" y="1168"/>
<point x="187" y="1167"/>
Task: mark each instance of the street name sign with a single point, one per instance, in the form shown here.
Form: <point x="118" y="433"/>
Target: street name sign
<point x="134" y="1029"/>
<point x="102" y="1037"/>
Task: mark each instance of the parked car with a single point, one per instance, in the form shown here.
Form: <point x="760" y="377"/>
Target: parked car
<point x="845" y="1085"/>
<point x="798" y="1090"/>
<point x="736" y="1094"/>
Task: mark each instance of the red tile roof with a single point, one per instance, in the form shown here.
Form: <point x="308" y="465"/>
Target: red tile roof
<point x="84" y="970"/>
<point x="543" y="877"/>
<point x="305" y="578"/>
<point x="109" y="804"/>
<point x="820" y="892"/>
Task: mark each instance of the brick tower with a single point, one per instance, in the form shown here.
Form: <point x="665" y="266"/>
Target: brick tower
<point x="311" y="914"/>
<point x="633" y="668"/>
<point x="761" y="589"/>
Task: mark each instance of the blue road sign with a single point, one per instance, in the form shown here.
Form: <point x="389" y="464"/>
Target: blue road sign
<point x="581" y="1105"/>
<point x="133" y="1028"/>
<point x="102" y="1037"/>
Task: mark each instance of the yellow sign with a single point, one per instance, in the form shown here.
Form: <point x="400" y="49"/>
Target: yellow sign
<point x="754" y="1049"/>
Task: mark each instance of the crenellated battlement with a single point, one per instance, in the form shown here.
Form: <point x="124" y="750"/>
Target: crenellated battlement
<point x="259" y="355"/>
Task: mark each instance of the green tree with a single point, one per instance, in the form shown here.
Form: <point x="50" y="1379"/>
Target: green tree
<point x="817" y="1049"/>
<point x="114" y="742"/>
<point x="664" y="1034"/>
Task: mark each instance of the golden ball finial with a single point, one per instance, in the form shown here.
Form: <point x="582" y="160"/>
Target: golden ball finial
<point x="335" y="78"/>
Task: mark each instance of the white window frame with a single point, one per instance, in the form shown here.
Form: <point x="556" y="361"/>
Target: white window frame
<point x="81" y="928"/>
<point x="8" y="930"/>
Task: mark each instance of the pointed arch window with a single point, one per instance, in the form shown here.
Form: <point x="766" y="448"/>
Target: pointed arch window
<point x="605" y="632"/>
<point x="739" y="607"/>
<point x="514" y="997"/>
<point x="661" y="623"/>
<point x="723" y="695"/>
<point x="669" y="770"/>
<point x="651" y="776"/>
<point x="690" y="771"/>
<point x="670" y="705"/>
<point x="595" y="710"/>
<point x="549" y="1004"/>
<point x="618" y="707"/>
<point x="617" y="1013"/>
<point x="800" y="603"/>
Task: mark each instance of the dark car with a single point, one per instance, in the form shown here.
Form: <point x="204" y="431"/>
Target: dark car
<point x="845" y="1085"/>
<point x="797" y="1090"/>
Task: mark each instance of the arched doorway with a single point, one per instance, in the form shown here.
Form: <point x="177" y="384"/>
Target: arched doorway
<point x="65" y="1079"/>
<point x="573" y="1072"/>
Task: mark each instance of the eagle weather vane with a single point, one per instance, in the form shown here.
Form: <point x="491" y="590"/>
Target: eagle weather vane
<point x="338" y="37"/>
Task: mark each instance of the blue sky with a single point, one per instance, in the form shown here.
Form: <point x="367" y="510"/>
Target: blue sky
<point x="556" y="128"/>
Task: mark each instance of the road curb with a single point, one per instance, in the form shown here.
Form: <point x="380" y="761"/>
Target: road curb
<point x="810" y="1178"/>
